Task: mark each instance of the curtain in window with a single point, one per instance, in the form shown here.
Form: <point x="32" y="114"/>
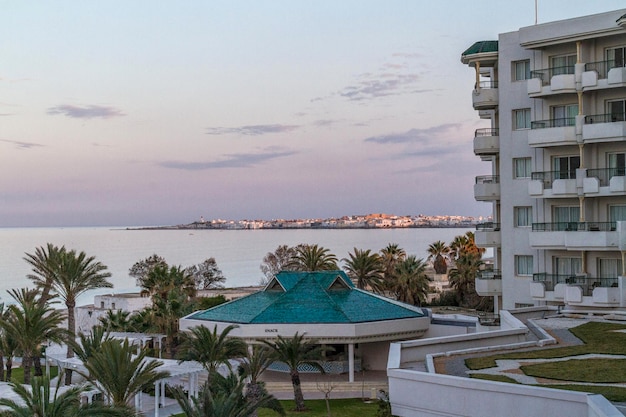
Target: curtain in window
<point x="615" y="58"/>
<point x="522" y="168"/>
<point x="617" y="165"/>
<point x="524" y="264"/>
<point x="523" y="216"/>
<point x="568" y="266"/>
<point x="522" y="119"/>
<point x="609" y="268"/>
<point x="617" y="213"/>
<point x="617" y="110"/>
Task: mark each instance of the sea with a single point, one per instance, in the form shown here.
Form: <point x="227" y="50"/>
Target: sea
<point x="238" y="253"/>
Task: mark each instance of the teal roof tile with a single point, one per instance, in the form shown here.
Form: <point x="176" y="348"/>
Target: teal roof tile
<point x="309" y="297"/>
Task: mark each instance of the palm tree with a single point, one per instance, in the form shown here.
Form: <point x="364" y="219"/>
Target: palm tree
<point x="116" y="321"/>
<point x="366" y="269"/>
<point x="73" y="274"/>
<point x="119" y="373"/>
<point x="256" y="362"/>
<point x="410" y="283"/>
<point x="224" y="398"/>
<point x="171" y="289"/>
<point x="438" y="254"/>
<point x="210" y="348"/>
<point x="312" y="258"/>
<point x="91" y="343"/>
<point x="462" y="278"/>
<point x="43" y="263"/>
<point x="42" y="401"/>
<point x="390" y="256"/>
<point x="294" y="352"/>
<point x="31" y="325"/>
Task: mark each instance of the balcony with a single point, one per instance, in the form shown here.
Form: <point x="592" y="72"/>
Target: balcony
<point x="486" y="142"/>
<point x="487" y="188"/>
<point x="488" y="235"/>
<point x="553" y="132"/>
<point x="602" y="75"/>
<point x="604" y="182"/>
<point x="489" y="282"/>
<point x="554" y="80"/>
<point x="574" y="236"/>
<point x="604" y="128"/>
<point x="546" y="184"/>
<point x="576" y="289"/>
<point x="485" y="97"/>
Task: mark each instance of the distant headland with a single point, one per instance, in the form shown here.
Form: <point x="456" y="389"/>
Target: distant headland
<point x="368" y="221"/>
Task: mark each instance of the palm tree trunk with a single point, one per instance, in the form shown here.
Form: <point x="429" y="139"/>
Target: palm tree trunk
<point x="9" y="367"/>
<point x="71" y="328"/>
<point x="253" y="395"/>
<point x="26" y="365"/>
<point x="297" y="390"/>
<point x="37" y="365"/>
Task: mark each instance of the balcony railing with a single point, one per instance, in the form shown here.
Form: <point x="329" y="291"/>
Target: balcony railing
<point x="602" y="67"/>
<point x="486" y="132"/>
<point x="488" y="227"/>
<point x="604" y="175"/>
<point x="550" y="280"/>
<point x="560" y="122"/>
<point x="586" y="283"/>
<point x="488" y="179"/>
<point x="575" y="227"/>
<point x="546" y="74"/>
<point x="605" y="118"/>
<point x="549" y="176"/>
<point x="489" y="274"/>
<point x="488" y="84"/>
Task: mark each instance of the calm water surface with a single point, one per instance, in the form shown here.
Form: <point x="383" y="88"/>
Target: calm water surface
<point x="238" y="253"/>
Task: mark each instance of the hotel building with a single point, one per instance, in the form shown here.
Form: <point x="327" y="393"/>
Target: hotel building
<point x="555" y="95"/>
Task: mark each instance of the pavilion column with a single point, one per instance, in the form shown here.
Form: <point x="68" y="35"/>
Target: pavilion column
<point x="157" y="390"/>
<point x="351" y="362"/>
<point x="163" y="393"/>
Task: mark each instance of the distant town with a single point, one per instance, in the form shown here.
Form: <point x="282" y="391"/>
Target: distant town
<point x="368" y="221"/>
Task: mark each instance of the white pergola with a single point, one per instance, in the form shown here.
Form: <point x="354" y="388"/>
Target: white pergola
<point x="185" y="374"/>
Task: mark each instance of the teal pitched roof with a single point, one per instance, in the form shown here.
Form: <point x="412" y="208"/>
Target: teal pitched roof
<point x="309" y="297"/>
<point x="481" y="47"/>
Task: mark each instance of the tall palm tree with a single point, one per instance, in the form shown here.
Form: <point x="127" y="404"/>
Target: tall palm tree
<point x="224" y="397"/>
<point x="312" y="258"/>
<point x="410" y="284"/>
<point x="366" y="269"/>
<point x="171" y="289"/>
<point x="438" y="253"/>
<point x="119" y="373"/>
<point x="116" y="320"/>
<point x="74" y="273"/>
<point x="390" y="256"/>
<point x="91" y="343"/>
<point x="256" y="362"/>
<point x="42" y="401"/>
<point x="462" y="278"/>
<point x="210" y="348"/>
<point x="44" y="267"/>
<point x="296" y="351"/>
<point x="31" y="325"/>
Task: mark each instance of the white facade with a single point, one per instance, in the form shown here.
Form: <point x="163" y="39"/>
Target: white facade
<point x="555" y="95"/>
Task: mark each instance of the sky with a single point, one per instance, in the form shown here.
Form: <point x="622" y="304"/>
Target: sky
<point x="143" y="112"/>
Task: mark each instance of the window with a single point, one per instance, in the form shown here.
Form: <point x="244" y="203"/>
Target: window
<point x="522" y="216"/>
<point x="616" y="109"/>
<point x="563" y="64"/>
<point x="564" y="115"/>
<point x="615" y="57"/>
<point x="522" y="305"/>
<point x="521" y="119"/>
<point x="565" y="167"/>
<point x="522" y="168"/>
<point x="567" y="266"/>
<point x="609" y="268"/>
<point x="521" y="70"/>
<point x="617" y="213"/>
<point x="617" y="164"/>
<point x="523" y="265"/>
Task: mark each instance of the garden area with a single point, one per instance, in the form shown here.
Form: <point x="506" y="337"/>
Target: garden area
<point x="597" y="366"/>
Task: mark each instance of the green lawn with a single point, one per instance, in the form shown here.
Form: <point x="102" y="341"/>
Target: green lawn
<point x="317" y="408"/>
<point x="17" y="374"/>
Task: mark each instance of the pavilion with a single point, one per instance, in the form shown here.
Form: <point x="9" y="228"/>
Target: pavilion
<point x="324" y="306"/>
